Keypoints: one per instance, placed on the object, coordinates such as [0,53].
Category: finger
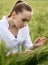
[43,39]
[37,40]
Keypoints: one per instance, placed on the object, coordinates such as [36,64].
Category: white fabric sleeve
[28,42]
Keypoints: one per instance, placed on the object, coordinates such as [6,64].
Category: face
[21,19]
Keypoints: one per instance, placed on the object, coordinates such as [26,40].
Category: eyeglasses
[24,20]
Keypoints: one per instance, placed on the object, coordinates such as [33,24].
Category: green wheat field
[38,26]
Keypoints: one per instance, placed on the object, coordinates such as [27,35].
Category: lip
[22,26]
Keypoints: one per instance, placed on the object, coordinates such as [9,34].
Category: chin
[21,27]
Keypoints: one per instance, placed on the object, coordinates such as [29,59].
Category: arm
[28,43]
[38,42]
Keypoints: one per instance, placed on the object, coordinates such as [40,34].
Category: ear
[14,14]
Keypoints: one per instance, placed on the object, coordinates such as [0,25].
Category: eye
[25,20]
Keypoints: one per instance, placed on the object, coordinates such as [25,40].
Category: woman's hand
[39,41]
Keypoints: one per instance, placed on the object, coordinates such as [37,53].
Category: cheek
[14,21]
[21,24]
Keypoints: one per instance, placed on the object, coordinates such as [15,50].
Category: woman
[14,29]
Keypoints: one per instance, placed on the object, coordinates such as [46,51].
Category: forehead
[25,13]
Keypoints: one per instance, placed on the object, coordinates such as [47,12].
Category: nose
[25,23]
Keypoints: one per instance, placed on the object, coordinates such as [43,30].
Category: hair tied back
[19,1]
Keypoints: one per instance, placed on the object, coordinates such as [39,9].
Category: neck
[12,27]
[14,31]
[10,21]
